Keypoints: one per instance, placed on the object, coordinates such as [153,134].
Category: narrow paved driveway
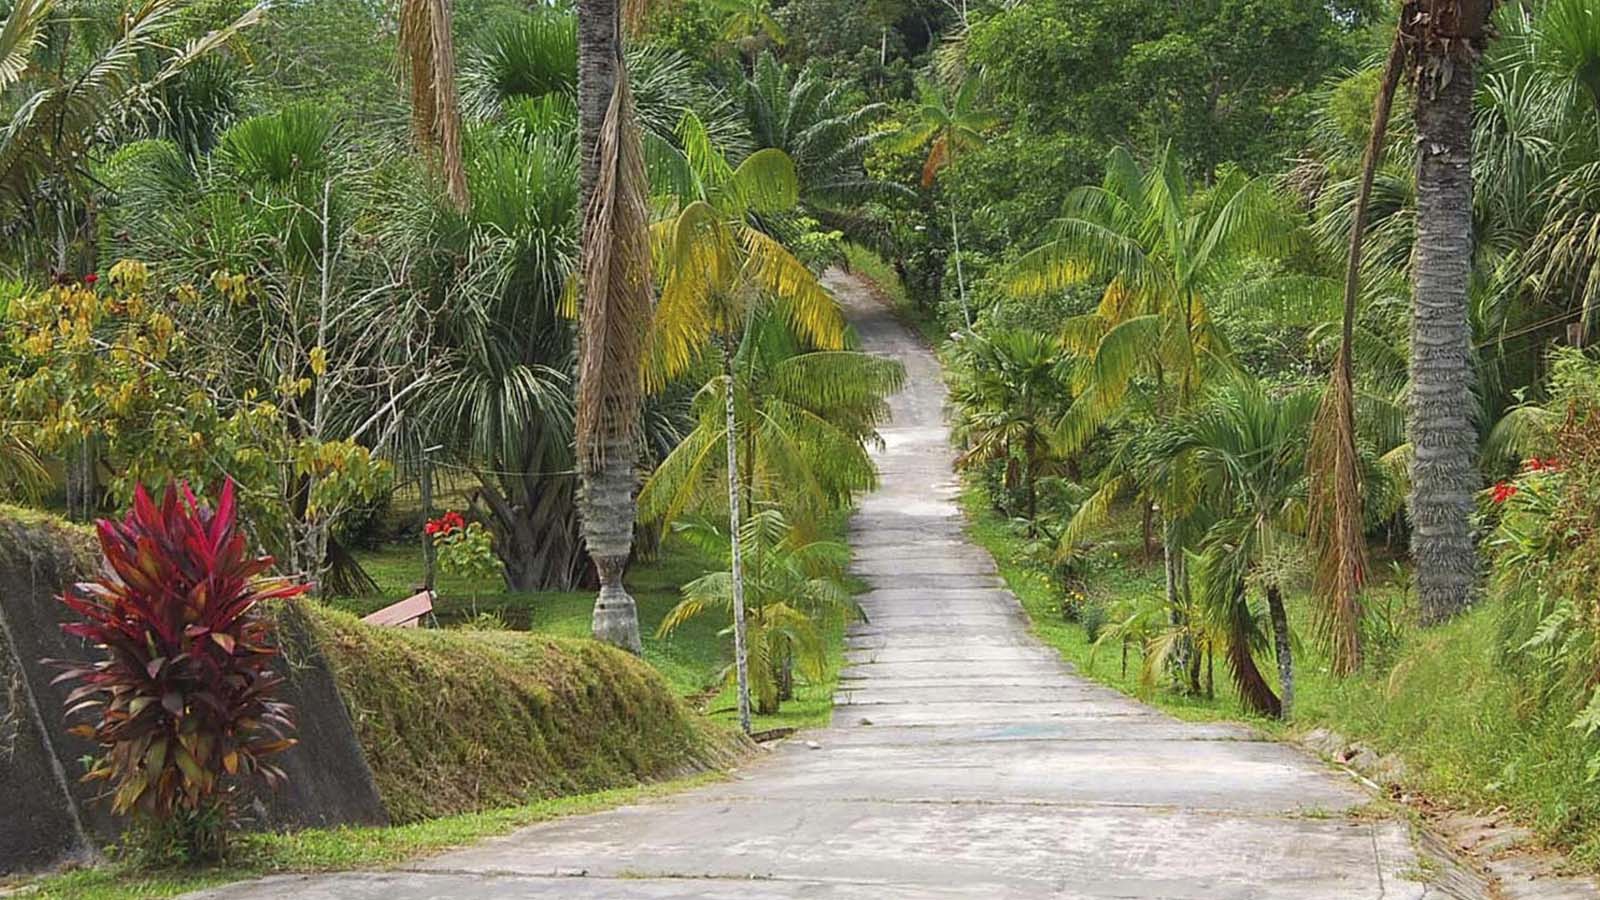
[965,760]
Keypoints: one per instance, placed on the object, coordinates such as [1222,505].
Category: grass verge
[336,849]
[1470,736]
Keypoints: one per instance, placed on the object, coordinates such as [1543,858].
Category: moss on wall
[455,721]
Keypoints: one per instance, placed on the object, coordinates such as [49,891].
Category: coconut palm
[1449,41]
[717,270]
[948,123]
[810,414]
[794,588]
[749,25]
[1166,253]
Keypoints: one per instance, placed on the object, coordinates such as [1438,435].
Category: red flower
[1534,464]
[446,524]
[431,528]
[1503,491]
[90,278]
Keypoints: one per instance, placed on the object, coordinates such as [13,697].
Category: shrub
[181,701]
[1094,616]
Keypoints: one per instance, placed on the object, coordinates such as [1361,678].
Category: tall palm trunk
[427,51]
[1440,421]
[615,317]
[1337,527]
[741,659]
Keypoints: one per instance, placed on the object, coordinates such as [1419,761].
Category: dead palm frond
[616,290]
[428,57]
[1336,526]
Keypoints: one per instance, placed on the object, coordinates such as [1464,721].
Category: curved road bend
[964,760]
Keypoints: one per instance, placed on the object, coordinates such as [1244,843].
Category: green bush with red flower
[181,695]
[1544,546]
[464,548]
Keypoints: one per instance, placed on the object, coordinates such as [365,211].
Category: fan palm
[1010,390]
[794,589]
[825,133]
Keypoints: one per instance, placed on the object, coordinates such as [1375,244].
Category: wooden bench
[405,614]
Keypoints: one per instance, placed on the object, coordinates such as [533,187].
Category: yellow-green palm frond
[765,182]
[1090,515]
[800,300]
[18,38]
[686,479]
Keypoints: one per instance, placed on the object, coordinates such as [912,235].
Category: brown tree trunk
[1285,652]
[1441,408]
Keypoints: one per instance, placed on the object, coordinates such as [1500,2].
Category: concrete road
[964,760]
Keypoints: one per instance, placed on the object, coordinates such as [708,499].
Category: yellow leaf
[319,361]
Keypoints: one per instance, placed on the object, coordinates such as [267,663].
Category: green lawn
[1471,738]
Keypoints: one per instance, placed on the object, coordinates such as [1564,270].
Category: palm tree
[811,415]
[717,270]
[948,126]
[65,113]
[1166,253]
[1449,38]
[827,135]
[1247,452]
[749,25]
[428,56]
[616,294]
[1010,391]
[795,587]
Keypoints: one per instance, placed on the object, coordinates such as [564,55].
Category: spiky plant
[181,697]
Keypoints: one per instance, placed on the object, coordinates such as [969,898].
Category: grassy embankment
[1438,698]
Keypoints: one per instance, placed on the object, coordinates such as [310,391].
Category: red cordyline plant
[182,700]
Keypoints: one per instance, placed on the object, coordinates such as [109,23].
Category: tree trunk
[1254,691]
[429,554]
[1280,635]
[616,275]
[1441,406]
[741,660]
[599,57]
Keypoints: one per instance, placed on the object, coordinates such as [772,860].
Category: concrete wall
[48,814]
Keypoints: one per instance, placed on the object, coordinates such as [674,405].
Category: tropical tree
[749,25]
[717,269]
[1010,389]
[948,124]
[616,292]
[1166,253]
[810,416]
[794,592]
[1247,451]
[1450,36]
[812,119]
